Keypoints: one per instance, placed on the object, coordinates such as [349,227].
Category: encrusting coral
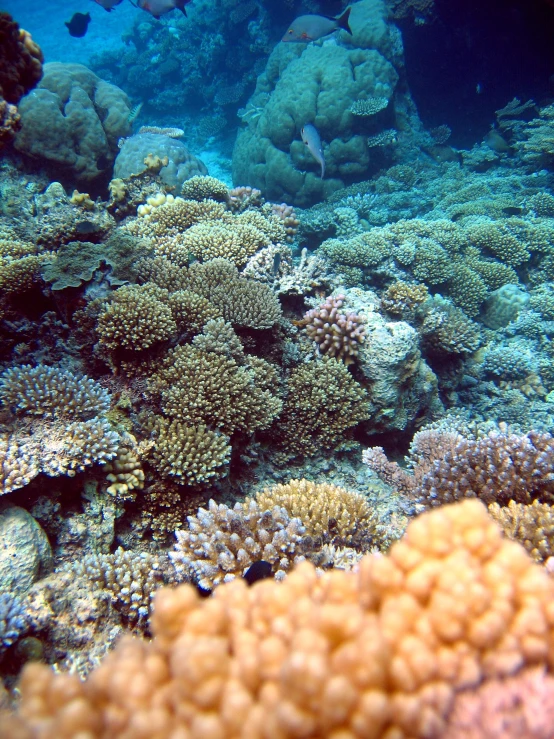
[385,651]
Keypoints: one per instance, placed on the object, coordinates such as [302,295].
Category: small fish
[108,5]
[310,137]
[157,8]
[307,28]
[276,263]
[78,24]
[259,570]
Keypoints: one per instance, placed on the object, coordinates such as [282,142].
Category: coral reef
[446,466]
[220,543]
[386,650]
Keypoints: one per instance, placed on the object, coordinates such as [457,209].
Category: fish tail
[342,21]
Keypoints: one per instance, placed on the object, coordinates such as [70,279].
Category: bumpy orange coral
[380,652]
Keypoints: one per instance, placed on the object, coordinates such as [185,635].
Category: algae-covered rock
[25,553]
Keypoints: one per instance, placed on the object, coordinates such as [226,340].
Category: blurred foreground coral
[392,649]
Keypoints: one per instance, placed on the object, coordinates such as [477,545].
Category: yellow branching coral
[136,317]
[323,402]
[320,505]
[191,311]
[531,525]
[381,652]
[205,387]
[189,454]
[202,187]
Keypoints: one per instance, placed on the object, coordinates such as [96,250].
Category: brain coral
[313,84]
[73,119]
[382,652]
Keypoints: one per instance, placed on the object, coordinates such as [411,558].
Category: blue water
[45,21]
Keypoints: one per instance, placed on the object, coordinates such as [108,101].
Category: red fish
[310,137]
[157,8]
[312,27]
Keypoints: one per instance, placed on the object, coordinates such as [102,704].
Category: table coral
[383,651]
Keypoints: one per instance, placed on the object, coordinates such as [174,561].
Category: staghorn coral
[189,454]
[163,273]
[322,508]
[323,403]
[336,334]
[531,525]
[51,392]
[380,652]
[498,239]
[199,387]
[221,543]
[136,318]
[446,466]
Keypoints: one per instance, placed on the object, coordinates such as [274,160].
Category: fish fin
[183,11]
[342,21]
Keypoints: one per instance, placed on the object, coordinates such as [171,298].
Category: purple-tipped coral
[336,334]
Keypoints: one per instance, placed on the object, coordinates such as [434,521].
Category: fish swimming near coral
[259,570]
[78,24]
[108,5]
[311,138]
[307,28]
[157,8]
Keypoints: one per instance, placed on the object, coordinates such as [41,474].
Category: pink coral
[446,466]
[336,334]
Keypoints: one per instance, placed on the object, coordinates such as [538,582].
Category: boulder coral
[73,119]
[317,84]
[384,651]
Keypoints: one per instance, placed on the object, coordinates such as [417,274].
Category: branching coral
[323,403]
[131,579]
[199,387]
[497,467]
[531,525]
[51,392]
[325,510]
[336,334]
[189,454]
[221,543]
[56,424]
[136,318]
[380,652]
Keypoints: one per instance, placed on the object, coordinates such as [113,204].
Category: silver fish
[310,137]
[312,27]
[157,8]
[108,5]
